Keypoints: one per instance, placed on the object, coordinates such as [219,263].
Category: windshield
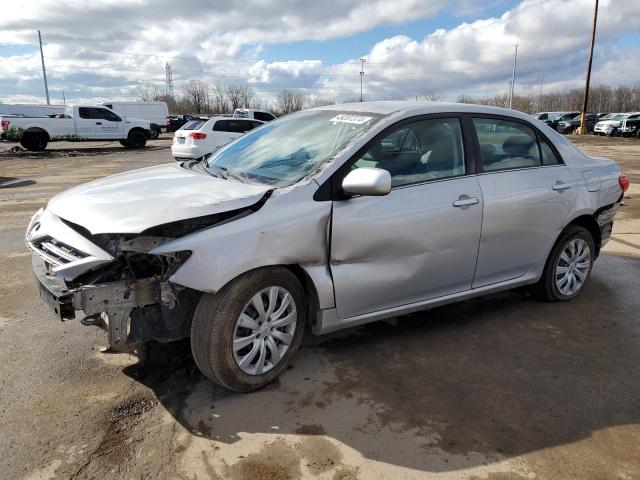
[285,151]
[567,116]
[619,117]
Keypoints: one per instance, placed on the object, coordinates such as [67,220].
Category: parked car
[328,218]
[199,138]
[78,123]
[631,126]
[612,126]
[175,122]
[542,116]
[564,116]
[153,111]
[253,114]
[568,126]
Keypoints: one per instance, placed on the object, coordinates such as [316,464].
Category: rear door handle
[98,123]
[465,201]
[561,186]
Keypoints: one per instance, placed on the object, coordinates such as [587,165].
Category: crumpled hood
[133,201]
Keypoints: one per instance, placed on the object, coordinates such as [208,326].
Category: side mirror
[367,181]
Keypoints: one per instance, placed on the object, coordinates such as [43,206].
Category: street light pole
[44,72]
[583,127]
[513,75]
[362,60]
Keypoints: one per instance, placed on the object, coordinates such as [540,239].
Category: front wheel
[568,266]
[244,336]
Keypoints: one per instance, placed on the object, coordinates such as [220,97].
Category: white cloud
[105,49]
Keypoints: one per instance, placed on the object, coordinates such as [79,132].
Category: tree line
[199,97]
[602,98]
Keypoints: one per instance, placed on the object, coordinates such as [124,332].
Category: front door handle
[98,123]
[559,186]
[465,201]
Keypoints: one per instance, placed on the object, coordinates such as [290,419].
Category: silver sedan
[327,218]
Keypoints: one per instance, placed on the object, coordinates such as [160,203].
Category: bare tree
[290,101]
[145,92]
[237,96]
[465,99]
[219,103]
[432,96]
[196,95]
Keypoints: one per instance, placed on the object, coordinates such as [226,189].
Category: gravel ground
[496,388]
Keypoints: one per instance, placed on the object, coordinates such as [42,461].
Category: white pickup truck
[78,123]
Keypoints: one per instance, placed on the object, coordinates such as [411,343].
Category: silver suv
[327,218]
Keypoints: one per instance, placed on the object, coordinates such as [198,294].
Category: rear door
[85,124]
[528,193]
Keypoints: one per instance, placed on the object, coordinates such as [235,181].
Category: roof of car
[418,108]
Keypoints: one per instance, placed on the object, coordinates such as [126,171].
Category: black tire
[615,132]
[214,322]
[124,143]
[546,288]
[155,132]
[136,139]
[35,142]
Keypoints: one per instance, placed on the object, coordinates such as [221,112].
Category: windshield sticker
[354,119]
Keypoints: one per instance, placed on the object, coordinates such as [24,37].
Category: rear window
[264,116]
[193,125]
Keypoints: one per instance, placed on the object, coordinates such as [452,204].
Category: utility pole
[44,72]
[362,60]
[513,75]
[539,99]
[583,127]
[64,100]
[168,88]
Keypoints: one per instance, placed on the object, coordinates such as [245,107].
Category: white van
[155,112]
[30,110]
[253,114]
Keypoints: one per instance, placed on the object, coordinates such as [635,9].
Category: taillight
[5,124]
[623,180]
[167,120]
[198,135]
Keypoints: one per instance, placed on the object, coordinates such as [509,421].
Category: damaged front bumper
[112,302]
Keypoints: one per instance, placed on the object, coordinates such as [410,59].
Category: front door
[108,125]
[420,241]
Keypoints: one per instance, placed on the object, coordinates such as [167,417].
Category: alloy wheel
[264,330]
[572,267]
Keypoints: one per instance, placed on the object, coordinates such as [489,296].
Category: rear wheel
[136,139]
[155,132]
[35,142]
[245,336]
[568,266]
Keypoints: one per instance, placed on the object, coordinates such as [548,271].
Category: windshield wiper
[218,172]
[238,176]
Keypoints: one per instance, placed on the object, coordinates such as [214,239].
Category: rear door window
[506,145]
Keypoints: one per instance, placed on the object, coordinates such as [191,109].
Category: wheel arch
[38,130]
[588,222]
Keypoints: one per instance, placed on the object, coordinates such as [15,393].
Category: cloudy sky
[104,50]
